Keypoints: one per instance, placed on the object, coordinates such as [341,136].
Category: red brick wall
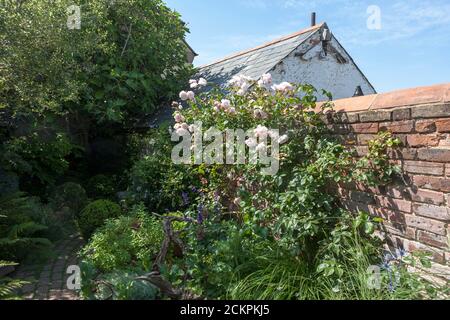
[416,206]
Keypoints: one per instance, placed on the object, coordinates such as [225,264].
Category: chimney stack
[313,19]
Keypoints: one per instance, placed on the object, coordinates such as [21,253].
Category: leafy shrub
[95,214]
[37,156]
[126,241]
[23,226]
[101,187]
[156,181]
[117,285]
[274,237]
[70,195]
[8,286]
[118,253]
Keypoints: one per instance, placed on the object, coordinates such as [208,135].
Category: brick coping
[437,94]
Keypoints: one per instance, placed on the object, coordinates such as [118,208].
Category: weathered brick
[363,139]
[434,154]
[425,126]
[433,183]
[399,192]
[344,117]
[413,246]
[394,204]
[419,140]
[401,114]
[432,239]
[364,127]
[447,170]
[422,167]
[444,141]
[447,257]
[432,211]
[374,116]
[443,125]
[434,111]
[346,139]
[353,206]
[403,154]
[428,196]
[427,224]
[398,126]
[361,151]
[401,138]
[387,214]
[363,197]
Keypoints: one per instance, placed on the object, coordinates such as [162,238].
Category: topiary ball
[95,214]
[69,195]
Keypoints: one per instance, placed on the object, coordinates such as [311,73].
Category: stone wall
[416,206]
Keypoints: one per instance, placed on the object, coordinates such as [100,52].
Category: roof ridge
[267,44]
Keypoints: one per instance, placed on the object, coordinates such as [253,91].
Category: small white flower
[261,147]
[225,103]
[184,95]
[202,82]
[283,87]
[232,110]
[194,85]
[181,131]
[251,142]
[191,95]
[192,128]
[283,139]
[261,131]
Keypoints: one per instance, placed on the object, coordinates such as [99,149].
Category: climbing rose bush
[237,209]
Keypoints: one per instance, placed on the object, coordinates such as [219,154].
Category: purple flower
[185,197]
[200,214]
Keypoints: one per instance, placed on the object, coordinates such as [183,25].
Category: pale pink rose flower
[191,95]
[184,95]
[179,117]
[202,82]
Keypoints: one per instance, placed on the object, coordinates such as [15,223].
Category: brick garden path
[48,282]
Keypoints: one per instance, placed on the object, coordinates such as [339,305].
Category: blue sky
[411,49]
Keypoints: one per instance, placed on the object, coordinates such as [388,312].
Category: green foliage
[126,241]
[95,214]
[101,187]
[120,284]
[23,226]
[69,196]
[126,59]
[118,253]
[8,287]
[34,155]
[282,236]
[155,180]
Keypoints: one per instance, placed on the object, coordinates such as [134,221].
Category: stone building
[312,56]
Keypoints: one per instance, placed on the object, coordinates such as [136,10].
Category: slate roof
[257,61]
